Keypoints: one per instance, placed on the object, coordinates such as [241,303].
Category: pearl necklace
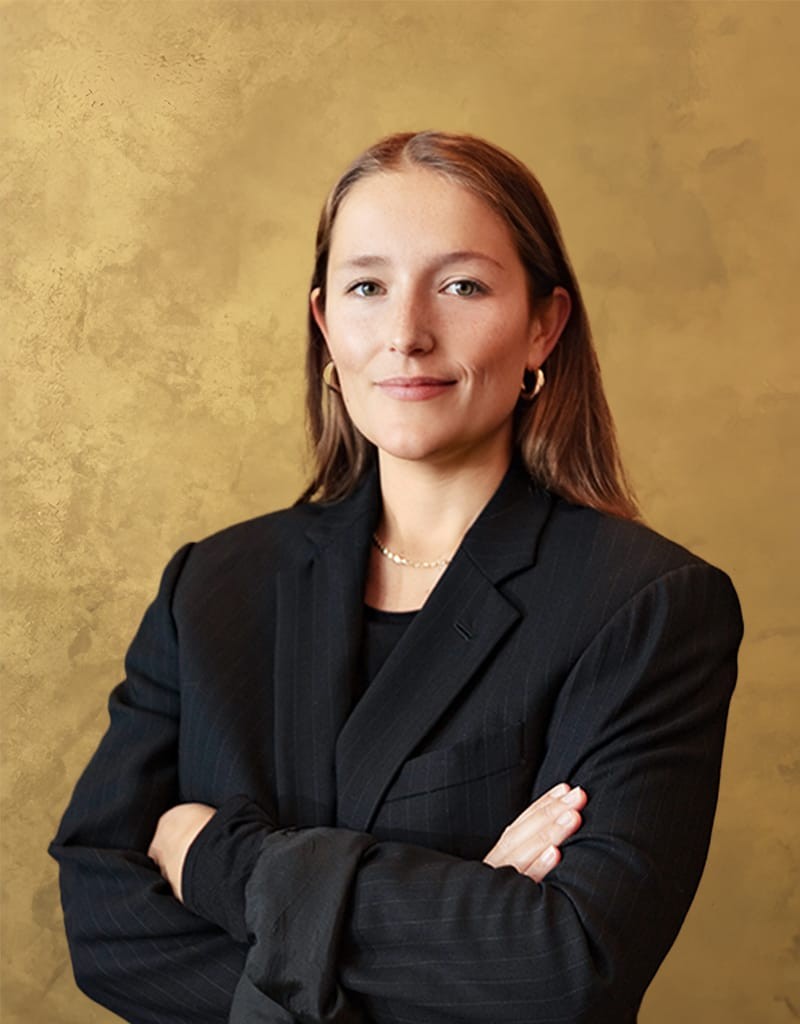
[440,563]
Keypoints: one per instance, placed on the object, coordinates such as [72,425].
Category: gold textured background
[167,162]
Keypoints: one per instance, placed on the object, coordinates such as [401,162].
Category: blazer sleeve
[134,948]
[341,926]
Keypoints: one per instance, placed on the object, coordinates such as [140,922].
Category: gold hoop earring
[528,394]
[328,370]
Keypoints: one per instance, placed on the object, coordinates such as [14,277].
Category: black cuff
[219,863]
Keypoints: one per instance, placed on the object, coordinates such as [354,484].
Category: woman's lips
[414,389]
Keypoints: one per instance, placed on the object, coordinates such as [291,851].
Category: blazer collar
[342,517]
[504,538]
[502,541]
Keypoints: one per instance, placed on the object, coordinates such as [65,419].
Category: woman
[441,743]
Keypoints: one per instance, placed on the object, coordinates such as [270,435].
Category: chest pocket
[460,798]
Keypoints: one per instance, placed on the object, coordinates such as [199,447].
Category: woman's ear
[318,311]
[549,321]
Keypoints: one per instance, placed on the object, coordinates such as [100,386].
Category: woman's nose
[410,329]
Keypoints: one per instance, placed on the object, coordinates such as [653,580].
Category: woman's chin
[409,450]
[439,452]
[412,443]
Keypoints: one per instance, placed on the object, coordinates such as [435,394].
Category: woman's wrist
[219,863]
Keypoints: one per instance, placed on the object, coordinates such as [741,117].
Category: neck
[427,508]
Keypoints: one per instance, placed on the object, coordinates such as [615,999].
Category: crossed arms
[331,925]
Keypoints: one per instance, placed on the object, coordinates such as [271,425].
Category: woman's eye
[464,288]
[365,288]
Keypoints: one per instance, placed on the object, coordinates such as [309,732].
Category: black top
[382,632]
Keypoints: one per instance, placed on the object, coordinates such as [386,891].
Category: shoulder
[242,560]
[278,535]
[613,562]
[606,544]
[253,549]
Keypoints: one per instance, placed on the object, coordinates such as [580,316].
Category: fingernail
[573,796]
[565,818]
[548,856]
[560,789]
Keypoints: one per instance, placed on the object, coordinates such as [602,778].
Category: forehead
[419,209]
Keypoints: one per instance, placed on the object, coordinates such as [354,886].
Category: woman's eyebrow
[362,261]
[461,255]
[457,256]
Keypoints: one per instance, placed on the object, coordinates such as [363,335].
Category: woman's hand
[175,832]
[531,842]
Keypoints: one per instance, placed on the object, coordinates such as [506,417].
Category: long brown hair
[566,436]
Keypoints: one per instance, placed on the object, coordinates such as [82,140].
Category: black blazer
[342,879]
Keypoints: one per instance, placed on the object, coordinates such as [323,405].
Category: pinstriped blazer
[342,879]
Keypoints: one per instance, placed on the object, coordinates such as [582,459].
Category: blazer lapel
[318,629]
[461,623]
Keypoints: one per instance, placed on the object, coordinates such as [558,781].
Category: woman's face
[427,318]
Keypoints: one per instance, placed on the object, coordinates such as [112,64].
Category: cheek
[500,357]
[351,361]
[352,370]
[347,344]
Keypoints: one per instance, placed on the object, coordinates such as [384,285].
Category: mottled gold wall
[167,164]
